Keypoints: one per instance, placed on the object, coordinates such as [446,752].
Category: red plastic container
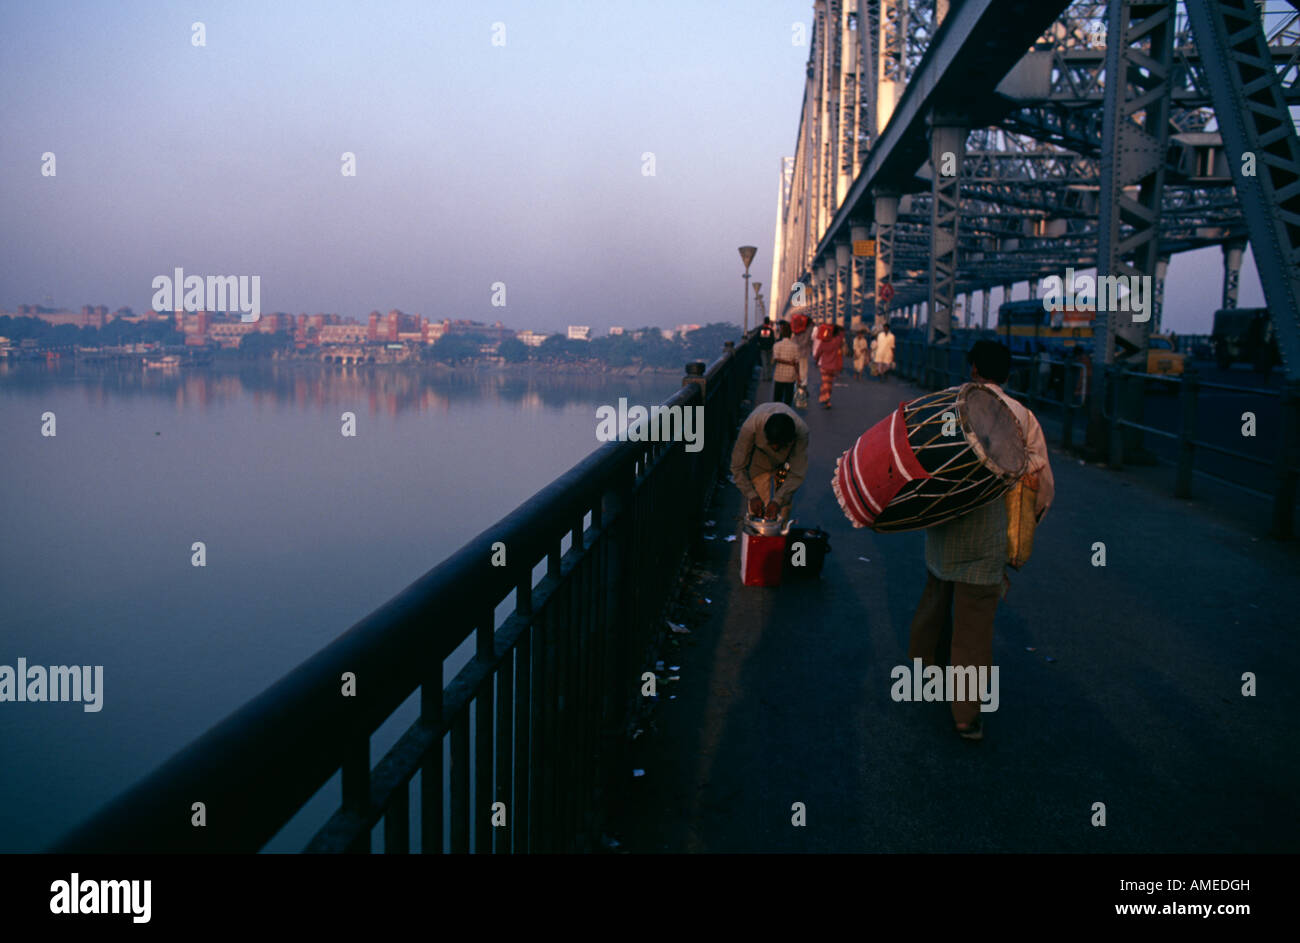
[761,559]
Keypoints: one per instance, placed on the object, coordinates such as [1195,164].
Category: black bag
[816,544]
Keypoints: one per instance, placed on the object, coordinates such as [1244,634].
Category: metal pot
[765,527]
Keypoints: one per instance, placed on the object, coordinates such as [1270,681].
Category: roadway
[1119,684]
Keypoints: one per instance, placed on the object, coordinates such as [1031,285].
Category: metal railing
[551,688]
[935,366]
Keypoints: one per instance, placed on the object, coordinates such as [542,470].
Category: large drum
[931,460]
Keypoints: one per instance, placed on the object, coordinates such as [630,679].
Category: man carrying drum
[965,556]
[772,445]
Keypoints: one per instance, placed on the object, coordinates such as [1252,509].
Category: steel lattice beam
[1254,121]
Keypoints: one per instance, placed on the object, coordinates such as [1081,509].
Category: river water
[305,530]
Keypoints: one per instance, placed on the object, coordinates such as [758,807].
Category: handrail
[255,769]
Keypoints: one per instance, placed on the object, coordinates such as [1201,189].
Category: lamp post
[747,256]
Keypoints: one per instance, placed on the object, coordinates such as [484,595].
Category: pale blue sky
[476,163]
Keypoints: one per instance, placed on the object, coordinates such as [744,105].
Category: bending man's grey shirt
[754,455]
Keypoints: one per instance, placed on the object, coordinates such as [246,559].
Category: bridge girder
[1032,184]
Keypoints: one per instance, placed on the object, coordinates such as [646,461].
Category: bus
[1026,327]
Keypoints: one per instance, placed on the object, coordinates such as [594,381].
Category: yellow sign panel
[865,247]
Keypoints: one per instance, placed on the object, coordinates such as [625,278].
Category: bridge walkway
[1118,684]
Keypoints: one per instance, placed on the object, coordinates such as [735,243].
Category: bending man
[772,445]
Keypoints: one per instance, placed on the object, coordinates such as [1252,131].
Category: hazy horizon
[476,163]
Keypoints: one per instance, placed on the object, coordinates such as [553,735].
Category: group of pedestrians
[876,348]
[786,349]
[965,557]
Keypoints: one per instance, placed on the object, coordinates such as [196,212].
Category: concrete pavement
[785,692]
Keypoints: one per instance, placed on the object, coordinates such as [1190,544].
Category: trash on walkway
[710,523]
[659,666]
[673,678]
[1030,648]
[638,733]
[679,629]
[864,559]
[710,536]
[638,772]
[708,600]
[674,667]
[730,538]
[672,697]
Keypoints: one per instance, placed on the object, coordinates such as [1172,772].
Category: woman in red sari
[830,358]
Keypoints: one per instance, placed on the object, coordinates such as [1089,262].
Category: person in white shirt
[883,356]
[787,372]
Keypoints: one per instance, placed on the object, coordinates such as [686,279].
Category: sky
[476,163]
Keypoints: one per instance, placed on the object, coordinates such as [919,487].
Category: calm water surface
[306,532]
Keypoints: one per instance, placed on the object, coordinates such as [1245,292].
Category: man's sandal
[971,731]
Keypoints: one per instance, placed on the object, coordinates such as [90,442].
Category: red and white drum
[931,460]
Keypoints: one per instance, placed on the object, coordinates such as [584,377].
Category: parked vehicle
[1245,335]
[1162,358]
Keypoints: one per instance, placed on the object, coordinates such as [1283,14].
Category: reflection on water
[306,532]
[391,390]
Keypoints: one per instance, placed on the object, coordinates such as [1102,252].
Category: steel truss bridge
[1043,163]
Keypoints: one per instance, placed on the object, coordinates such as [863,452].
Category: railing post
[1116,377]
[1068,406]
[1035,379]
[1288,455]
[1187,393]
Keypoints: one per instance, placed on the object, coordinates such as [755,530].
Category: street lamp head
[747,255]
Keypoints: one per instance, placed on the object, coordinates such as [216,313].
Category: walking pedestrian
[803,337]
[861,347]
[965,556]
[883,358]
[785,356]
[829,352]
[766,341]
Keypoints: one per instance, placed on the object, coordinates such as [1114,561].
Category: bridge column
[849,101]
[826,278]
[863,293]
[886,213]
[822,288]
[844,295]
[891,51]
[1135,137]
[1158,293]
[1263,149]
[819,286]
[1232,253]
[947,151]
[985,297]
